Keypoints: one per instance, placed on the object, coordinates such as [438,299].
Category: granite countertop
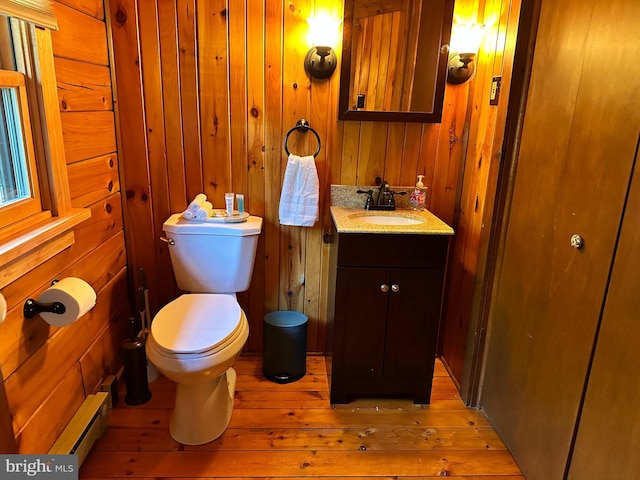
[346,221]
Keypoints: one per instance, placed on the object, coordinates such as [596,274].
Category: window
[19,191]
[14,167]
[15,184]
[36,217]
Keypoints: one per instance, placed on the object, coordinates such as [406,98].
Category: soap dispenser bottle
[418,195]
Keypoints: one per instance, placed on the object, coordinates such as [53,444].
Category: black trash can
[285,346]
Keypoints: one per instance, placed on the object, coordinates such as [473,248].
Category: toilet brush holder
[135,371]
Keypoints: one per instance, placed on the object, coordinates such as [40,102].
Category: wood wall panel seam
[80,36]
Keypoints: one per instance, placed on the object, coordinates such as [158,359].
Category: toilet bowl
[194,341]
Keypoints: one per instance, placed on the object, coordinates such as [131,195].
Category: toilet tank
[212,257]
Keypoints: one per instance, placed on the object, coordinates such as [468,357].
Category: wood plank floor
[291,431]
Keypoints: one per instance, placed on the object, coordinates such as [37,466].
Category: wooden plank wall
[207,91]
[482,162]
[380,46]
[48,371]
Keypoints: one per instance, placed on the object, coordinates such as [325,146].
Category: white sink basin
[389,220]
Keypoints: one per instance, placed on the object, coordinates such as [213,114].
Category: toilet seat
[196,325]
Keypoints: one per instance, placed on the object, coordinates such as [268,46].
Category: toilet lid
[196,323]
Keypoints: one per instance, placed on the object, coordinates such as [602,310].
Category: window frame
[26,207]
[27,243]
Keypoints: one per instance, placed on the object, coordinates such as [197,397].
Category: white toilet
[196,338]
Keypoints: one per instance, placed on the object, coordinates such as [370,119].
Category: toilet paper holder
[32,307]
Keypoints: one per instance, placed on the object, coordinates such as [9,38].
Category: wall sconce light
[321,60]
[464,48]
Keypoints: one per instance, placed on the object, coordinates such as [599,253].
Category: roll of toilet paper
[77,296]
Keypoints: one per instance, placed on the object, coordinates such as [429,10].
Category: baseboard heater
[86,426]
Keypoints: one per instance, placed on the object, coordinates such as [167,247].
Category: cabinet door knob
[384,288]
[577,241]
[395,288]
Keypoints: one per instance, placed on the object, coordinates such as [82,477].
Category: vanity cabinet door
[360,325]
[385,331]
[412,323]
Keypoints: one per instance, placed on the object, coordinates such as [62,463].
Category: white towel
[194,206]
[204,211]
[197,202]
[300,192]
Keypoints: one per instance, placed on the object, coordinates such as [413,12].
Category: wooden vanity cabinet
[386,309]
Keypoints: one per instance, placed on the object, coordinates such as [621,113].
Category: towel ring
[302,126]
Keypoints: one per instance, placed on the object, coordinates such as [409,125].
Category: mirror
[394,60]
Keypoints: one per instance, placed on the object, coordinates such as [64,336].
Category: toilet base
[202,411]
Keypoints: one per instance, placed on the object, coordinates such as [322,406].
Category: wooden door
[608,437]
[575,159]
